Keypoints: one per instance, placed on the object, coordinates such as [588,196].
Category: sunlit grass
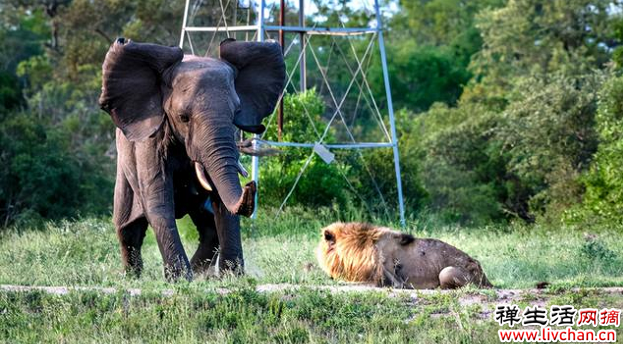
[281,250]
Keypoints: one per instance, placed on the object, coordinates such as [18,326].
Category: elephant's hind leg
[131,239]
[453,277]
[205,256]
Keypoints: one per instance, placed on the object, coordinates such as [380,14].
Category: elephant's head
[200,99]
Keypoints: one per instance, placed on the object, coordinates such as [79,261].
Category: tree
[537,38]
[603,199]
[431,43]
[550,138]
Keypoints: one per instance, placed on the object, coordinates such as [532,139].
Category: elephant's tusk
[201,175]
[242,170]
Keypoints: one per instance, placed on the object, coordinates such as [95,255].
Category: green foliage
[371,175]
[438,22]
[22,35]
[462,166]
[524,130]
[436,74]
[603,200]
[532,37]
[430,45]
[499,114]
[36,70]
[57,145]
[321,184]
[549,136]
[480,165]
[376,179]
[41,178]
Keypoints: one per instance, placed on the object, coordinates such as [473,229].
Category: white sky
[310,8]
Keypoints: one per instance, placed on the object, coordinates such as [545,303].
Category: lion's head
[347,251]
[360,252]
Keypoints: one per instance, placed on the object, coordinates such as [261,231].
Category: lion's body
[360,252]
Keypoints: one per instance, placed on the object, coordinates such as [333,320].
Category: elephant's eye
[184,118]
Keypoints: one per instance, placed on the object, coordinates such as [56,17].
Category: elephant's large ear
[260,80]
[131,82]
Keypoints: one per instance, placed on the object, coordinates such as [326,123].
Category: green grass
[85,253]
[282,251]
[243,316]
[192,315]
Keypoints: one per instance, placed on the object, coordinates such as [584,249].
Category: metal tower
[253,22]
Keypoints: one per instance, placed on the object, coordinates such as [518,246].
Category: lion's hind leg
[453,277]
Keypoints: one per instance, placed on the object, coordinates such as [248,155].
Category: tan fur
[361,252]
[353,257]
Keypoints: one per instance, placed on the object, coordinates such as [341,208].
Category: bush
[481,164]
[549,135]
[603,198]
[321,184]
[40,177]
[463,169]
[369,173]
[381,165]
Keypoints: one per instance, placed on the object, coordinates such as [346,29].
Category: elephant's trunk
[218,157]
[238,200]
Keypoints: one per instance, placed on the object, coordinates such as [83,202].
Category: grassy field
[85,253]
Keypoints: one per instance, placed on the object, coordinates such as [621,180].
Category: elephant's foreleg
[131,239]
[160,212]
[228,229]
[176,263]
[206,253]
[155,184]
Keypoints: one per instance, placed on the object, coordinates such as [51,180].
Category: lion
[362,252]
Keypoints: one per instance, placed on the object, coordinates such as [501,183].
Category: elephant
[176,118]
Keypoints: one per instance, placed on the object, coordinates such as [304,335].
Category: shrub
[549,135]
[481,164]
[463,169]
[603,198]
[321,184]
[369,173]
[40,177]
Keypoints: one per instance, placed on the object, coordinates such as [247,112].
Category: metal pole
[246,35]
[184,24]
[390,109]
[235,20]
[303,66]
[282,41]
[260,22]
[255,160]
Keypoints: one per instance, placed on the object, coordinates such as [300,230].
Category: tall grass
[280,250]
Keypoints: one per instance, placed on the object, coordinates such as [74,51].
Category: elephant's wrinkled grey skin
[176,118]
